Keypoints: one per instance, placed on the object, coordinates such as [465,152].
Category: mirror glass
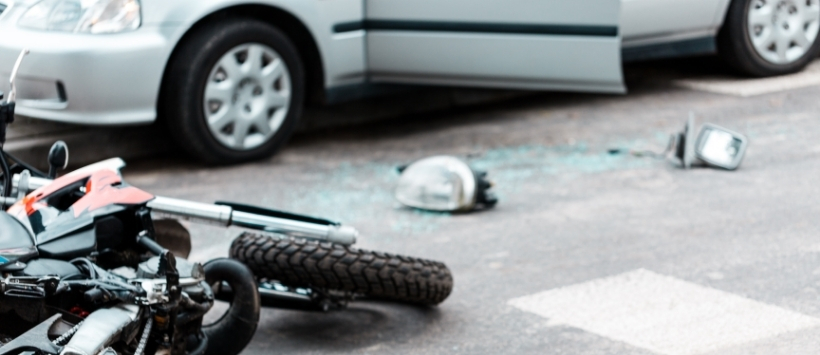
[719,147]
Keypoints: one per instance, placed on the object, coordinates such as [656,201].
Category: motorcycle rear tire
[301,263]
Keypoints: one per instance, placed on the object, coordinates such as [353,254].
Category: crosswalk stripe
[662,314]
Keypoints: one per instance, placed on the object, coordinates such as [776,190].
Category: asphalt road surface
[587,252]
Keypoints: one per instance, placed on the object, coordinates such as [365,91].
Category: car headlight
[83,16]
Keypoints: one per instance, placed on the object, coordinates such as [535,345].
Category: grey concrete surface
[569,213]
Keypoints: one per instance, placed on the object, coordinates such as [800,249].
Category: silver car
[229,78]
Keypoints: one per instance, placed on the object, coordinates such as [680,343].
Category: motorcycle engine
[118,319]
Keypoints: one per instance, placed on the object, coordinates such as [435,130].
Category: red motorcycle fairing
[105,188]
[70,201]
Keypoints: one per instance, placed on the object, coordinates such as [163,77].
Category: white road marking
[662,314]
[752,87]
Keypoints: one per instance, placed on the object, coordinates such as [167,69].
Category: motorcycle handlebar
[34,183]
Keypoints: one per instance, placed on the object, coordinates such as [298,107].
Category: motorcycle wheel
[301,263]
[233,331]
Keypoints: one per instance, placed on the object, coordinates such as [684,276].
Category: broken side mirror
[715,146]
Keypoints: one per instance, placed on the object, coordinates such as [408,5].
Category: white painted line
[752,87]
[662,314]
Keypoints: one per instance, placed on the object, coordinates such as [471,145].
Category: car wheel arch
[294,28]
[721,13]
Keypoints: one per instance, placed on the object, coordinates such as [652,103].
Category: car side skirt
[681,48]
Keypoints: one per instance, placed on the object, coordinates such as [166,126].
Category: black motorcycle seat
[13,234]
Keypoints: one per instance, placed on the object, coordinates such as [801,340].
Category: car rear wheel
[770,37]
[234,91]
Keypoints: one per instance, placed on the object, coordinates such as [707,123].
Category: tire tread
[302,263]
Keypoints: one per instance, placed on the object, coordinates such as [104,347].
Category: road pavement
[587,252]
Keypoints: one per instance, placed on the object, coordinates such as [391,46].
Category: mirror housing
[714,146]
[57,158]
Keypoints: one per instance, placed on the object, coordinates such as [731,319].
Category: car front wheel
[770,37]
[234,91]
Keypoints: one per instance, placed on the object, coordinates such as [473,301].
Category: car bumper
[87,79]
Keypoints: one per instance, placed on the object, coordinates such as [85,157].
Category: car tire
[210,81]
[755,37]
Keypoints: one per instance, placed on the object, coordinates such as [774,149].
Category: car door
[528,44]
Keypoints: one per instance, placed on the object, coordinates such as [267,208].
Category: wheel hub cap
[783,31]
[247,96]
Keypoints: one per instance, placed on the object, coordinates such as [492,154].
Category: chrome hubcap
[247,96]
[782,31]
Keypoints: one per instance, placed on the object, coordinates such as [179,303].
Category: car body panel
[83,78]
[576,12]
[529,44]
[129,96]
[504,61]
[655,29]
[654,21]
[116,78]
[319,17]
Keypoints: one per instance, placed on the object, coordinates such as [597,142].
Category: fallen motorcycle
[81,271]
[66,243]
